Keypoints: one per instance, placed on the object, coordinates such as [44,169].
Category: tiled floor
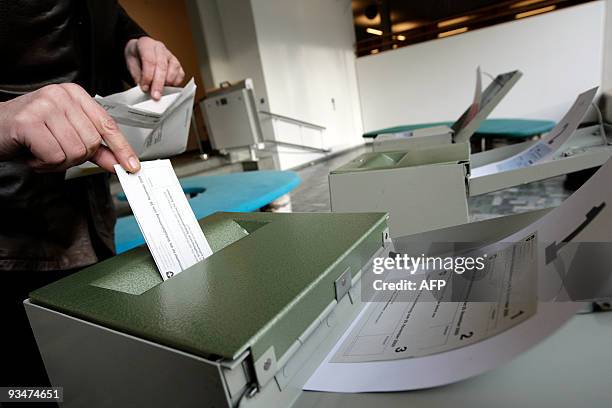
[313,194]
[533,196]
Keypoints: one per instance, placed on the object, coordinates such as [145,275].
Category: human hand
[61,126]
[152,66]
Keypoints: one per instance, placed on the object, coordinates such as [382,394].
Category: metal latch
[266,367]
[386,237]
[343,283]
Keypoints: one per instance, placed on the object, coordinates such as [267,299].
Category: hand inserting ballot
[60,126]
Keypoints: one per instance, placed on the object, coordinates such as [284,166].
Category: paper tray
[539,171]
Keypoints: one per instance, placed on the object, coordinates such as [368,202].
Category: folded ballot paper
[164,216]
[154,129]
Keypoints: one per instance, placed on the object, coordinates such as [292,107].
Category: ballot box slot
[140,274]
[383,159]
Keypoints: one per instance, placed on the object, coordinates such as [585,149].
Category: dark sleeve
[126,29]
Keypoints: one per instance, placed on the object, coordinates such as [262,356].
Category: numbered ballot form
[481,305]
[164,216]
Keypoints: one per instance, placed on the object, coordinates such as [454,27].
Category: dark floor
[313,194]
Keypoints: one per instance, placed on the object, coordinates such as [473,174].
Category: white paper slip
[546,148]
[164,216]
[160,106]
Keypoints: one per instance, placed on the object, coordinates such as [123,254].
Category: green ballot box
[242,325]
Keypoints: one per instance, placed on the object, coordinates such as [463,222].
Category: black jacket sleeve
[126,29]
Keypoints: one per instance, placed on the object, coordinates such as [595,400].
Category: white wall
[306,49]
[300,56]
[607,68]
[232,52]
[559,53]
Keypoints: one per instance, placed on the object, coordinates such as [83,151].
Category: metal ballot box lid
[442,154]
[268,279]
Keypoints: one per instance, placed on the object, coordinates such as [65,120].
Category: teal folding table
[234,192]
[515,130]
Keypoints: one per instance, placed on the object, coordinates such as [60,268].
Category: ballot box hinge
[238,377]
[231,364]
[290,362]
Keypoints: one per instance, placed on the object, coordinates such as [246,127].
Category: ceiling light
[405,26]
[454,21]
[525,3]
[374,31]
[534,12]
[452,32]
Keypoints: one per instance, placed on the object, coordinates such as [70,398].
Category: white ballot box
[427,188]
[410,186]
[231,115]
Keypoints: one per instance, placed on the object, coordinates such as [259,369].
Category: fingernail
[134,164]
[145,88]
[156,95]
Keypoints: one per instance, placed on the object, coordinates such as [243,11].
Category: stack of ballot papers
[154,129]
[164,216]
